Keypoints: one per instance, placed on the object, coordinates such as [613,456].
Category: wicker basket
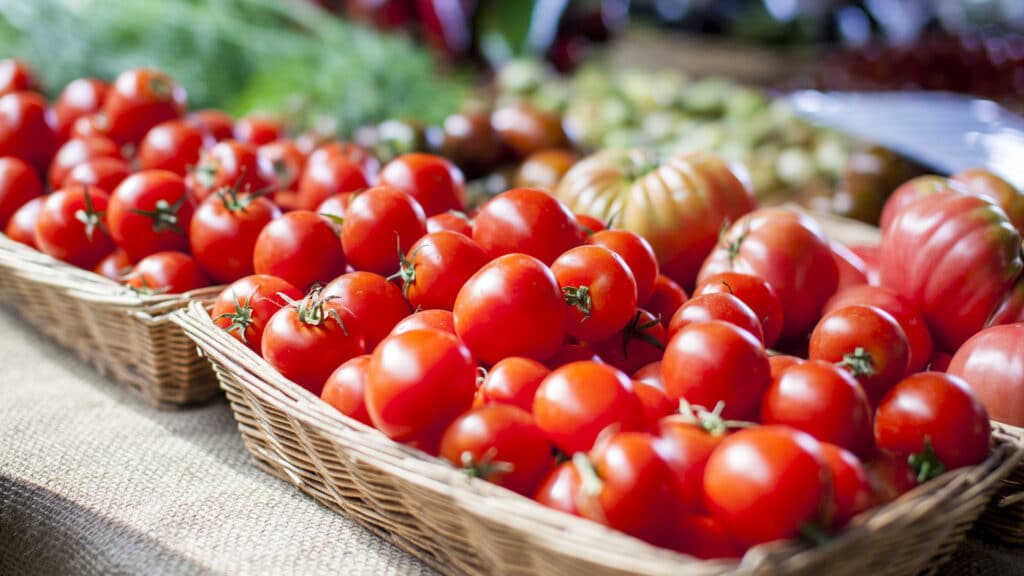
[463,525]
[122,334]
[1004,518]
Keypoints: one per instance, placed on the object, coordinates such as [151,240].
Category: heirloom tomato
[992,364]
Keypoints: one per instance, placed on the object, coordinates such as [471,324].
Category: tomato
[890,476]
[765,483]
[637,254]
[22,225]
[560,489]
[287,161]
[90,126]
[930,247]
[641,342]
[301,247]
[936,419]
[151,211]
[116,266]
[452,220]
[629,487]
[72,226]
[851,488]
[576,402]
[174,146]
[650,374]
[26,131]
[868,342]
[572,352]
[544,168]
[526,129]
[417,384]
[992,364]
[822,400]
[103,173]
[678,205]
[755,292]
[79,98]
[511,307]
[714,362]
[704,537]
[246,305]
[716,306]
[77,151]
[653,402]
[467,139]
[334,208]
[426,320]
[500,444]
[512,381]
[780,362]
[985,183]
[140,99]
[436,267]
[905,314]
[16,76]
[870,256]
[230,163]
[527,221]
[258,130]
[911,191]
[216,125]
[325,152]
[686,443]
[224,230]
[591,225]
[939,362]
[377,304]
[852,269]
[334,175]
[599,291]
[345,389]
[436,183]
[166,273]
[380,225]
[306,341]
[18,185]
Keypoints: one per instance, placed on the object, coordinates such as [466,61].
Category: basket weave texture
[124,335]
[465,525]
[1004,518]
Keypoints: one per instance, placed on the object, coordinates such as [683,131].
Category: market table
[95,481]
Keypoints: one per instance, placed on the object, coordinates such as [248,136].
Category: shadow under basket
[464,525]
[124,335]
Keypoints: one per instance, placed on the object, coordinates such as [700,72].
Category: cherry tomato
[25,129]
[90,126]
[500,444]
[851,487]
[822,400]
[512,381]
[140,99]
[891,476]
[18,184]
[287,161]
[306,341]
[103,173]
[494,325]
[415,370]
[323,154]
[452,220]
[716,306]
[704,537]
[216,125]
[686,443]
[599,291]
[936,419]
[244,307]
[590,225]
[258,130]
[335,175]
[755,292]
[436,183]
[72,226]
[426,320]
[345,389]
[576,402]
[377,304]
[79,98]
[436,267]
[230,163]
[765,483]
[16,76]
[334,208]
[714,362]
[561,489]
[528,221]
[638,256]
[151,211]
[116,266]
[868,342]
[653,401]
[780,362]
[302,247]
[641,342]
[666,298]
[526,129]
[77,151]
[22,225]
[650,375]
[174,146]
[224,230]
[380,225]
[992,364]
[166,273]
[572,352]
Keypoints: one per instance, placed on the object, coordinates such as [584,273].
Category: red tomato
[90,126]
[79,98]
[788,250]
[641,342]
[418,383]
[224,231]
[18,185]
[306,341]
[911,191]
[301,247]
[512,381]
[116,266]
[561,489]
[851,488]
[686,445]
[868,342]
[103,173]
[326,151]
[436,183]
[500,444]
[345,389]
[72,226]
[452,220]
[665,300]
[529,323]
[599,291]
[572,352]
[151,211]
[650,375]
[77,151]
[174,146]
[231,163]
[714,362]
[287,160]
[22,225]
[704,537]
[939,362]
[216,125]
[244,308]
[334,208]
[334,175]
[436,267]
[853,271]
[258,130]
[936,419]
[905,314]
[590,225]
[984,183]
[992,364]
[26,131]
[822,400]
[765,483]
[653,402]
[891,476]
[755,292]
[380,225]
[576,402]
[528,221]
[426,320]
[781,362]
[638,256]
[16,76]
[716,306]
[166,273]
[140,99]
[377,304]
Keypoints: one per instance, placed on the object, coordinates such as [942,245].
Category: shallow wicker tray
[463,525]
[1004,518]
[122,334]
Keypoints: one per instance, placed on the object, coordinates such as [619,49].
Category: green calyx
[926,463]
[164,215]
[859,363]
[241,317]
[313,309]
[486,467]
[91,217]
[579,298]
[637,330]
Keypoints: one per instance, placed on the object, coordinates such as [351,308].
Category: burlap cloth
[94,481]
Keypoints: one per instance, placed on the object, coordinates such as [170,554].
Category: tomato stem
[926,463]
[486,467]
[814,533]
[579,298]
[164,215]
[92,218]
[590,483]
[860,362]
[636,330]
[313,308]
[241,318]
[406,268]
